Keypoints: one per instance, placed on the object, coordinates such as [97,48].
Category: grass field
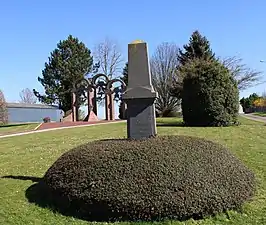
[28,157]
[16,128]
[263,114]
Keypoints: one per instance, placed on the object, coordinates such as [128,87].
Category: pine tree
[125,74]
[67,64]
[198,47]
[248,103]
[3,109]
[125,79]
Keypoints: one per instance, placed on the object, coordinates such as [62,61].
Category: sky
[31,29]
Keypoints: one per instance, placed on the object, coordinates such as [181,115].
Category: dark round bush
[167,177]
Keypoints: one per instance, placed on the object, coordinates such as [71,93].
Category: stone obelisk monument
[139,95]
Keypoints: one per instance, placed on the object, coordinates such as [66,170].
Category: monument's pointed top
[137,42]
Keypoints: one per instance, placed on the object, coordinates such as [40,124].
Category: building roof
[26,105]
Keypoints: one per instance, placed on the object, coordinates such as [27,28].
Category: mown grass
[16,128]
[31,155]
[263,114]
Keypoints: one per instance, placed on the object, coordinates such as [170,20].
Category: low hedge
[167,177]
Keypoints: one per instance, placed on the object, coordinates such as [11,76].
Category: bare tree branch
[245,76]
[27,96]
[108,55]
[163,68]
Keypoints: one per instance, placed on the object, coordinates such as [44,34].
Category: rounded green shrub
[210,96]
[167,177]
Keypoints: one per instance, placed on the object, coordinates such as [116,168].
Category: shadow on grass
[14,125]
[170,124]
[41,195]
[33,179]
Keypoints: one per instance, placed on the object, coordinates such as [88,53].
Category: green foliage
[210,96]
[165,177]
[125,74]
[125,79]
[67,64]
[248,103]
[3,109]
[198,47]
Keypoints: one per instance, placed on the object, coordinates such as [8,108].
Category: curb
[58,128]
[36,128]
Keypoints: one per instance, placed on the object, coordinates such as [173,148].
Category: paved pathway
[60,128]
[44,126]
[254,117]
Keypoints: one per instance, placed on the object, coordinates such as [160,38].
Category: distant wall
[256,109]
[260,109]
[23,115]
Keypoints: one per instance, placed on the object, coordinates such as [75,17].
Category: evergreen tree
[210,95]
[198,47]
[248,103]
[125,74]
[67,64]
[3,109]
[125,79]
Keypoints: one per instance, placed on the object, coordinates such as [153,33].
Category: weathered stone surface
[139,78]
[141,121]
[139,95]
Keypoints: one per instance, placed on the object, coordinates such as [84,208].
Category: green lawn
[263,114]
[16,128]
[31,155]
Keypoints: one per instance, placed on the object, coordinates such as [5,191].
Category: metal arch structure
[115,94]
[99,90]
[95,78]
[116,90]
[74,91]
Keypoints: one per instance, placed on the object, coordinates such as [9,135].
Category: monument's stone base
[141,121]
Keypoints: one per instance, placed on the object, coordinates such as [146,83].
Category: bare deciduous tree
[245,76]
[27,96]
[109,57]
[163,65]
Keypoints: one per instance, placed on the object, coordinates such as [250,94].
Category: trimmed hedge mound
[173,177]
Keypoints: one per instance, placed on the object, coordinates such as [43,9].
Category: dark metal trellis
[101,87]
